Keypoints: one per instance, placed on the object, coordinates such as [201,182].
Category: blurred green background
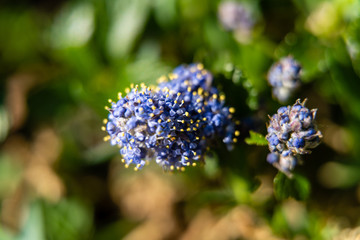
[61,60]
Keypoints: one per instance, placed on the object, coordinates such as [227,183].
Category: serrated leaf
[297,187]
[256,139]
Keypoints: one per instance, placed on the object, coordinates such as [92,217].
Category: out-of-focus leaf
[33,228]
[5,234]
[256,139]
[297,187]
[165,12]
[128,18]
[69,219]
[74,26]
[241,189]
[10,175]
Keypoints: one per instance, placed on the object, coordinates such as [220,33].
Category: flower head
[284,77]
[173,123]
[292,131]
[236,17]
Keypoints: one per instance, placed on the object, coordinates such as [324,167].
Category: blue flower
[284,77]
[292,131]
[174,123]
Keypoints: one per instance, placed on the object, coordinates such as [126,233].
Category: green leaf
[297,187]
[256,139]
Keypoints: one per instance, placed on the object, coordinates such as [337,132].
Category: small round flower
[173,123]
[284,77]
[292,131]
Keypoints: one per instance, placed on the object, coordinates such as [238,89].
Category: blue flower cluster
[237,17]
[284,77]
[173,123]
[291,132]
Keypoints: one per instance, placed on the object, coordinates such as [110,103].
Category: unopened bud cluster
[173,123]
[284,77]
[291,132]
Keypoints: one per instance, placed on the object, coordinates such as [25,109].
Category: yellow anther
[142,85]
[105,121]
[153,107]
[189,89]
[194,129]
[188,129]
[139,101]
[107,108]
[169,120]
[187,114]
[172,76]
[188,164]
[150,100]
[151,115]
[181,130]
[231,110]
[203,72]
[162,79]
[107,138]
[186,82]
[222,97]
[103,128]
[122,134]
[135,169]
[237,133]
[172,168]
[167,146]
[199,110]
[159,121]
[182,121]
[127,90]
[182,169]
[130,148]
[132,85]
[122,160]
[198,75]
[132,140]
[197,125]
[191,121]
[126,165]
[175,101]
[110,101]
[237,122]
[174,127]
[198,100]
[193,164]
[197,138]
[194,93]
[200,66]
[119,95]
[186,158]
[200,91]
[235,140]
[204,119]
[167,95]
[214,96]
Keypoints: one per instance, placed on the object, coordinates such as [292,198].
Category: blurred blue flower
[236,17]
[292,131]
[174,123]
[284,77]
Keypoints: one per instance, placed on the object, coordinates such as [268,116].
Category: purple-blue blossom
[284,77]
[173,123]
[292,131]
